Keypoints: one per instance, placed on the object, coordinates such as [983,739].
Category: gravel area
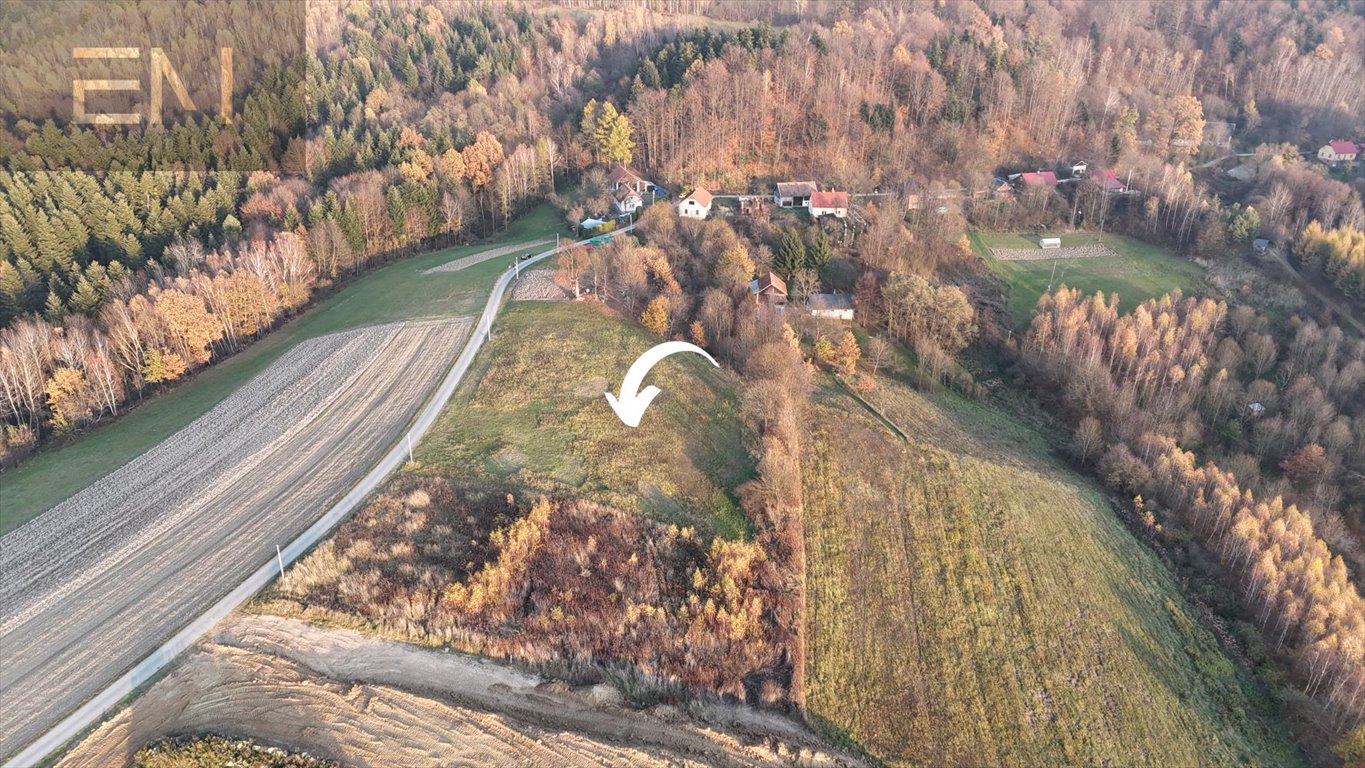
[1094,250]
[538,285]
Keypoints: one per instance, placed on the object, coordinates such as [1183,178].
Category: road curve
[89,712]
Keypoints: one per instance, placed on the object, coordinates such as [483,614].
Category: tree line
[1178,374]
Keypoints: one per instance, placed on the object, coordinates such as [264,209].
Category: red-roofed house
[829,204]
[769,289]
[1338,151]
[696,205]
[1107,179]
[1039,179]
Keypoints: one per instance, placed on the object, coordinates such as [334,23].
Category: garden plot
[482,256]
[1088,251]
[538,285]
[99,581]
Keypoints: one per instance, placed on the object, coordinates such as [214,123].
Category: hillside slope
[972,602]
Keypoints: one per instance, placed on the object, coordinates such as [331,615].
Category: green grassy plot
[972,601]
[532,414]
[1139,271]
[398,291]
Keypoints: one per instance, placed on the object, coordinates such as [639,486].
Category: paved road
[178,593]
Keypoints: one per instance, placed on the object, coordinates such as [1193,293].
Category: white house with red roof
[828,204]
[1338,151]
[696,205]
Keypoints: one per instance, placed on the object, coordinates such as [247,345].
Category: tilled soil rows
[369,701]
[538,285]
[482,256]
[94,584]
[1092,251]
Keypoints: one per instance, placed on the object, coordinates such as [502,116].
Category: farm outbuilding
[769,289]
[794,194]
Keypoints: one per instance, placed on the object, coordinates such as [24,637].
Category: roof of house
[1106,178]
[1342,147]
[625,193]
[1041,177]
[797,188]
[702,197]
[829,199]
[767,281]
[621,173]
[829,301]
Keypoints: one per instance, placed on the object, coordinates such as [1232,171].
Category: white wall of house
[838,212]
[691,209]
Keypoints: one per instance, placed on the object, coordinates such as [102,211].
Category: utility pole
[409,437]
[279,558]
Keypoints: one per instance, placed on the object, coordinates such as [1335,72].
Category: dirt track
[370,701]
[93,585]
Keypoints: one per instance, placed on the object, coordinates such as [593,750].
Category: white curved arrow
[633,401]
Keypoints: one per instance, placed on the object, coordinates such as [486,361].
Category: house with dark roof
[769,289]
[837,306]
[794,194]
[624,178]
[696,205]
[1338,151]
[829,204]
[1108,180]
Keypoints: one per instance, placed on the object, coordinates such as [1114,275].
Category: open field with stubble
[1111,263]
[972,601]
[399,291]
[103,578]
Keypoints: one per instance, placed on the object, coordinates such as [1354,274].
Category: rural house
[769,289]
[794,194]
[829,204]
[1078,169]
[1108,180]
[624,178]
[1338,151]
[1038,179]
[696,205]
[838,306]
[627,201]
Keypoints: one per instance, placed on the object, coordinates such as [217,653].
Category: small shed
[769,289]
[1260,245]
[1050,243]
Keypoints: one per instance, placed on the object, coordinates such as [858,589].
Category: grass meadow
[531,414]
[972,601]
[398,291]
[1139,272]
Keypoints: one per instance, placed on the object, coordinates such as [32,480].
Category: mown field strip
[478,258]
[67,636]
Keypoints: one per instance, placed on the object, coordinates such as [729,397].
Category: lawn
[398,291]
[972,601]
[1139,272]
[532,414]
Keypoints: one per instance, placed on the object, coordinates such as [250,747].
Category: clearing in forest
[113,571]
[1137,271]
[972,601]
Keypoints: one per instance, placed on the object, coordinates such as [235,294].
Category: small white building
[696,205]
[829,204]
[836,306]
[627,202]
[1050,243]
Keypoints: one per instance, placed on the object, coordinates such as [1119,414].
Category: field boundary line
[456,265]
[114,693]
